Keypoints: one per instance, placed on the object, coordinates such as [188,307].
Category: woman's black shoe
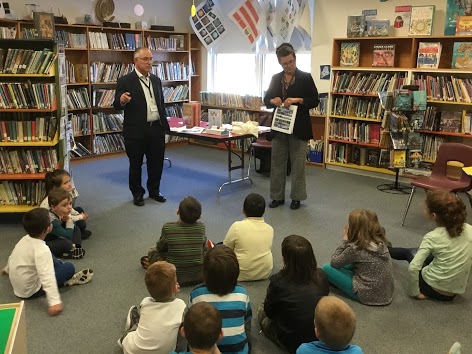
[295,204]
[276,203]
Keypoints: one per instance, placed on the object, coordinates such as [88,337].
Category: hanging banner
[286,16]
[246,16]
[208,24]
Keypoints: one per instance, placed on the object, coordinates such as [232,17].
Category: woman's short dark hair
[220,270]
[283,50]
[299,260]
[254,205]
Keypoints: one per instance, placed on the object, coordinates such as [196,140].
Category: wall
[331,22]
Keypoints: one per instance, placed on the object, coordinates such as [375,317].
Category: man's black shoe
[276,203]
[138,201]
[158,197]
[295,204]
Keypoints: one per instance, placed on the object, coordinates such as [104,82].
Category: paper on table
[184,129]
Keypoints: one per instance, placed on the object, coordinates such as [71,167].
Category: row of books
[108,143]
[103,72]
[178,93]
[444,88]
[25,95]
[39,129]
[103,122]
[355,131]
[78,98]
[7,32]
[101,40]
[27,161]
[174,111]
[429,55]
[72,40]
[22,192]
[172,43]
[431,146]
[171,71]
[26,61]
[230,100]
[366,83]
[218,117]
[446,121]
[103,97]
[28,33]
[354,106]
[80,124]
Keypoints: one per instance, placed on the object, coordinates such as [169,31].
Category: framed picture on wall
[44,24]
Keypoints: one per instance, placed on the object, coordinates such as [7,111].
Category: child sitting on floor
[335,324]
[65,238]
[182,243]
[60,178]
[251,240]
[202,328]
[220,273]
[34,271]
[154,327]
[361,267]
[440,267]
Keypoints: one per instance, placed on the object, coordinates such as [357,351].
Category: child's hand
[345,231]
[84,216]
[64,218]
[55,309]
[420,296]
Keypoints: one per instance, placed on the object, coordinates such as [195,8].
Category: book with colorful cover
[383,55]
[450,122]
[399,158]
[419,100]
[215,117]
[421,22]
[464,26]
[429,54]
[355,26]
[377,28]
[349,54]
[454,8]
[462,55]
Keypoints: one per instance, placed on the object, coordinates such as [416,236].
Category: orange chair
[438,179]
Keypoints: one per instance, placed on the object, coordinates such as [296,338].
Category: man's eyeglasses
[287,64]
[145,59]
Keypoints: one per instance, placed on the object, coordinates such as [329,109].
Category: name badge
[154,108]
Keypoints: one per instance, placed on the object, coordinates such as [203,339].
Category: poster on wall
[325,71]
[246,17]
[208,24]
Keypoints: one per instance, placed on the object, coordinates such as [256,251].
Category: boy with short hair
[220,273]
[154,327]
[251,240]
[202,328]
[34,271]
[183,243]
[335,324]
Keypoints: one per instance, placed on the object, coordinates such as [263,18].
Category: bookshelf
[31,105]
[353,89]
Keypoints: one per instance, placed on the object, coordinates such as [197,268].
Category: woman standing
[290,87]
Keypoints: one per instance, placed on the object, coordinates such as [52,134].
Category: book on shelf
[419,100]
[403,100]
[464,26]
[429,54]
[179,41]
[415,141]
[349,55]
[462,55]
[384,159]
[415,157]
[377,28]
[466,122]
[450,121]
[421,22]
[383,55]
[355,26]
[454,8]
[417,119]
[399,158]
[373,157]
[399,140]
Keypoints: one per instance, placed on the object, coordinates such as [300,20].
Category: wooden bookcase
[406,52]
[28,151]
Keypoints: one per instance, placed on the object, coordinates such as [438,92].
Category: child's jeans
[341,278]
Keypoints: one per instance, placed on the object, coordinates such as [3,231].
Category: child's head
[335,322]
[190,210]
[37,222]
[448,210]
[299,259]
[221,270]
[58,179]
[202,326]
[254,205]
[161,281]
[60,201]
[364,229]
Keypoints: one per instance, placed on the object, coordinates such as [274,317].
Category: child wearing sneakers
[182,243]
[65,238]
[335,324]
[34,271]
[202,328]
[251,240]
[154,327]
[60,178]
[220,273]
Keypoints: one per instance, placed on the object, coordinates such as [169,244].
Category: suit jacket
[303,87]
[134,124]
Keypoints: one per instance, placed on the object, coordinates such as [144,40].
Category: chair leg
[408,204]
[168,160]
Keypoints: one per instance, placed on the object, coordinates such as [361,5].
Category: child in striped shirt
[183,243]
[220,273]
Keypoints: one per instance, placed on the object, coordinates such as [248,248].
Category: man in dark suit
[139,94]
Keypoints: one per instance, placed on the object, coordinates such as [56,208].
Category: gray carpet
[94,313]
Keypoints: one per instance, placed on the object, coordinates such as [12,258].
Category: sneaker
[86,234]
[132,318]
[79,278]
[75,253]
